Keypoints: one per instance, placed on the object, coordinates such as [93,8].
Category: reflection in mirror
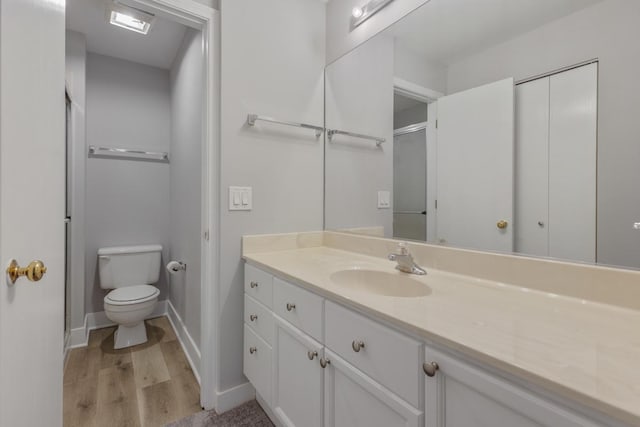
[509,126]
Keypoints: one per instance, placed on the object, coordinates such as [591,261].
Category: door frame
[428,96]
[207,20]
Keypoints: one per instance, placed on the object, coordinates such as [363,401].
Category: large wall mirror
[501,125]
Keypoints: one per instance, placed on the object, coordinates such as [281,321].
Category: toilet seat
[129,295]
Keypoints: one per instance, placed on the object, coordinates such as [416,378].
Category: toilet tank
[122,266]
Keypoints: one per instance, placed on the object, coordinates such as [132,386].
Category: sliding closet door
[532,168]
[572,164]
[475,167]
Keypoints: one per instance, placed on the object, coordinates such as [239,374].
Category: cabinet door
[298,377]
[460,395]
[354,400]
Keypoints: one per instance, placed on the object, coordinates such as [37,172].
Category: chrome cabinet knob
[324,362]
[311,354]
[253,317]
[254,284]
[430,368]
[357,345]
[252,350]
[540,224]
[290,306]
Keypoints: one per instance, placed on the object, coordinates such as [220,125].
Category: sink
[380,283]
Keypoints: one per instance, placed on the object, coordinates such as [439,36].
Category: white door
[32,209]
[354,400]
[475,167]
[532,168]
[297,377]
[572,163]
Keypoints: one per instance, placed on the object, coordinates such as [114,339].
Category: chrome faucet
[405,261]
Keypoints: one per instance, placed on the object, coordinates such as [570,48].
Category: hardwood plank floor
[148,385]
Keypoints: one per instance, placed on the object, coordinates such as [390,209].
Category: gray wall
[359,98]
[75,63]
[273,57]
[608,31]
[187,90]
[128,105]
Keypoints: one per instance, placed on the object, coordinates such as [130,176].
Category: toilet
[130,271]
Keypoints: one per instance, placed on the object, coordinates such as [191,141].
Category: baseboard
[236,396]
[80,336]
[189,346]
[267,410]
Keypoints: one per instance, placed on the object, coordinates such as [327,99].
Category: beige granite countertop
[585,351]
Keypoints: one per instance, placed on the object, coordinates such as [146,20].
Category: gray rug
[249,414]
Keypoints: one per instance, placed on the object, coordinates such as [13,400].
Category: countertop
[585,351]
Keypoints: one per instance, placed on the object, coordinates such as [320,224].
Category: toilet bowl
[128,307]
[129,272]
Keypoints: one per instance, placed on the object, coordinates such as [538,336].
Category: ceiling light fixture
[362,13]
[130,18]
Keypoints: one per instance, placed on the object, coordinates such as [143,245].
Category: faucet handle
[402,247]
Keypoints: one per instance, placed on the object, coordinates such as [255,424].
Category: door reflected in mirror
[508,126]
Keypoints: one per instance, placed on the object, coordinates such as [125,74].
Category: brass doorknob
[502,224]
[34,271]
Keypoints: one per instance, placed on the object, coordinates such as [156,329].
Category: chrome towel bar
[252,118]
[128,153]
[331,132]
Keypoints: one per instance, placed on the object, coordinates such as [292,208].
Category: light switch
[240,198]
[384,199]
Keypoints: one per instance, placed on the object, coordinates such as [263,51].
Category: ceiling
[445,31]
[158,48]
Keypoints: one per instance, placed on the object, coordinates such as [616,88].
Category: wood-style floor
[146,385]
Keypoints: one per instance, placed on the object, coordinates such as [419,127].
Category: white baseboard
[80,336]
[236,396]
[189,346]
[267,410]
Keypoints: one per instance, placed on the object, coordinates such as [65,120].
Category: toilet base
[127,336]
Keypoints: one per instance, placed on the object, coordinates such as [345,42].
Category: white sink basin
[380,283]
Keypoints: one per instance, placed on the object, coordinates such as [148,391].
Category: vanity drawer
[259,318]
[387,356]
[299,307]
[257,363]
[258,284]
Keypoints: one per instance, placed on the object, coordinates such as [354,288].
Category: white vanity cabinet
[458,394]
[316,363]
[297,398]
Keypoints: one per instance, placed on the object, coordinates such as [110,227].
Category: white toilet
[130,271]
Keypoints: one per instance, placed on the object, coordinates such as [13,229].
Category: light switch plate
[240,199]
[384,199]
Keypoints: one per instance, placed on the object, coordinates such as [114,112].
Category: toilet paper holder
[176,266]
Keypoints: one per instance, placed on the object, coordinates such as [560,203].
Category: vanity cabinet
[298,387]
[461,395]
[352,399]
[316,363]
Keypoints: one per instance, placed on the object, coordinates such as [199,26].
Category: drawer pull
[252,350]
[290,306]
[357,345]
[253,317]
[254,284]
[324,362]
[430,368]
[311,354]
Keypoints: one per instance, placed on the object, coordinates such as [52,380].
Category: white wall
[359,98]
[341,38]
[75,76]
[608,31]
[187,90]
[412,66]
[127,201]
[272,63]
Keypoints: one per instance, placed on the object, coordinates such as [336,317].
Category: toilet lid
[129,294]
